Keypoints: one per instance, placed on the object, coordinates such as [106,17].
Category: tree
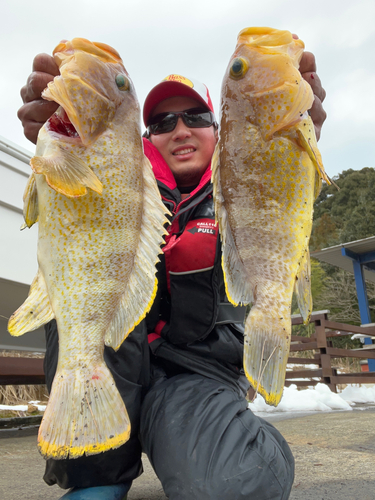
[347,214]
[325,232]
[341,216]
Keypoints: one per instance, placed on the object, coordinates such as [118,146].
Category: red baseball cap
[173,86]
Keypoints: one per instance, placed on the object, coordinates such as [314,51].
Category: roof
[333,256]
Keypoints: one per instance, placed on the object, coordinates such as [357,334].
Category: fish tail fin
[237,288]
[66,173]
[34,312]
[142,286]
[302,287]
[91,414]
[266,353]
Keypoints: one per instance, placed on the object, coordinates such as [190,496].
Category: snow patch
[23,407]
[359,394]
[318,398]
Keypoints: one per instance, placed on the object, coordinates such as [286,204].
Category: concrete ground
[334,453]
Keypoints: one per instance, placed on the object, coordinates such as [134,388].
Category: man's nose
[181,130]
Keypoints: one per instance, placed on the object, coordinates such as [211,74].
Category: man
[193,424]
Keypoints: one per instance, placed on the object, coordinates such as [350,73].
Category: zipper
[174,204]
[198,199]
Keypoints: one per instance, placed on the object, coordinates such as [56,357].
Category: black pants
[202,441]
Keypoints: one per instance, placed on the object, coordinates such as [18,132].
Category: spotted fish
[267,171]
[101,224]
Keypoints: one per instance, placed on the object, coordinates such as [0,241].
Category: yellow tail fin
[85,415]
[266,352]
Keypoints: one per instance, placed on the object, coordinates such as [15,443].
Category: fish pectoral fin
[85,424]
[141,287]
[317,184]
[307,141]
[237,288]
[30,202]
[34,312]
[266,351]
[302,287]
[66,173]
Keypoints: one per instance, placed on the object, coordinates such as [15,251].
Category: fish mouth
[60,124]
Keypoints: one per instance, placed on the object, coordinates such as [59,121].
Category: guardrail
[21,371]
[320,342]
[29,371]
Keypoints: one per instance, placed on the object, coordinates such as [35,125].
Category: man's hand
[308,71]
[35,110]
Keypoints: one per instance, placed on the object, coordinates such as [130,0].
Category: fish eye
[239,68]
[122,82]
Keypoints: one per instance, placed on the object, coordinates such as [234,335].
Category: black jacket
[192,326]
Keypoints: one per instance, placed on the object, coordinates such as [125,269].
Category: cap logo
[179,79]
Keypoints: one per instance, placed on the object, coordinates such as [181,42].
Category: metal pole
[360,284]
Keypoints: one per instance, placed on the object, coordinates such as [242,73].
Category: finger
[33,115]
[314,81]
[307,63]
[44,70]
[318,116]
[45,64]
[31,130]
[35,85]
[39,110]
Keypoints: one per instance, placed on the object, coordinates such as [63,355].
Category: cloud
[159,38]
[354,100]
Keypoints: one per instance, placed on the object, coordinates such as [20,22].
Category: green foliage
[341,216]
[347,214]
[324,233]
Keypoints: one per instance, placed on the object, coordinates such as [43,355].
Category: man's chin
[188,175]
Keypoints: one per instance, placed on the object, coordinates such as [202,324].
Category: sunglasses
[192,118]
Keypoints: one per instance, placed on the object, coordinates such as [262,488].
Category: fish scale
[267,172]
[101,224]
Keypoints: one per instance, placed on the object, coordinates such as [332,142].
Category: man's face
[187,151]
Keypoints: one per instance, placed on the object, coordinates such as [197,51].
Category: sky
[196,39]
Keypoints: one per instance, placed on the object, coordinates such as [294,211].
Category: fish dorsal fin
[30,202]
[302,287]
[66,173]
[34,312]
[237,289]
[141,288]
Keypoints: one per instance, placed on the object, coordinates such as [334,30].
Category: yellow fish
[267,170]
[101,224]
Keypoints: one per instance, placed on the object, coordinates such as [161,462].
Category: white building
[18,262]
